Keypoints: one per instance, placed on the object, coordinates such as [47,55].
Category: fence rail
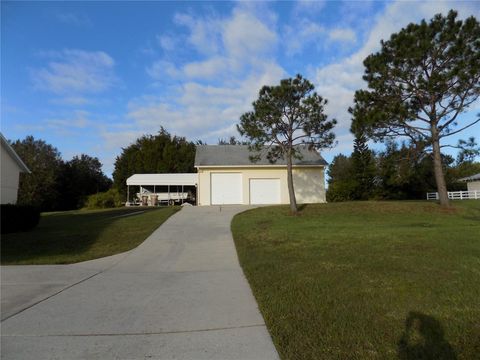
[456,195]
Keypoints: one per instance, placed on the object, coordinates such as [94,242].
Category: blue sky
[90,77]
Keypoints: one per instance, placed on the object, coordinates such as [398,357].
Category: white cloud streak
[81,20]
[75,72]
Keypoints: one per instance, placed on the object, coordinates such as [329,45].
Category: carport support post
[128,194]
[182,194]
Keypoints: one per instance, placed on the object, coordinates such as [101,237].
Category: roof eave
[259,165]
[14,155]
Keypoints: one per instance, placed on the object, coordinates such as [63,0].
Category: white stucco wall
[309,182]
[9,178]
[473,186]
[309,185]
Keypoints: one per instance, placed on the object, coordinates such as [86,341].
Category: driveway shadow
[423,339]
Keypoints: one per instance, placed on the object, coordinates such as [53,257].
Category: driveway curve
[180,295]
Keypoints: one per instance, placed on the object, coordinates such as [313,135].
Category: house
[226,175]
[11,167]
[473,182]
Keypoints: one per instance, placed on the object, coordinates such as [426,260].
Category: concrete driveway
[179,295]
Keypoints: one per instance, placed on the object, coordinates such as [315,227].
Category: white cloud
[207,68]
[343,35]
[69,124]
[203,111]
[161,68]
[72,100]
[166,42]
[246,36]
[203,33]
[75,71]
[298,37]
[74,19]
[309,7]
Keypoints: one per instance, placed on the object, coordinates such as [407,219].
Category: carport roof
[163,179]
[239,155]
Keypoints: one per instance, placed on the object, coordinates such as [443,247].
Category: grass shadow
[72,236]
[301,207]
[423,339]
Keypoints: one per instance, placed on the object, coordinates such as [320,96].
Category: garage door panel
[226,188]
[265,191]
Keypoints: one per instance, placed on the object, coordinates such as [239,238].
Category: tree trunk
[291,190]
[438,169]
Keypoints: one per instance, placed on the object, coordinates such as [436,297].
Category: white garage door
[264,191]
[226,188]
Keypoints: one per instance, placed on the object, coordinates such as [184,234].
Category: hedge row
[17,218]
[104,200]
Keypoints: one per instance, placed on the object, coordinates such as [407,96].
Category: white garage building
[473,182]
[226,175]
[11,167]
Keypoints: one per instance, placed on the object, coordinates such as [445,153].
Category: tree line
[399,172]
[55,184]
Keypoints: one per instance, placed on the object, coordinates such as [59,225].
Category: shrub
[17,218]
[104,200]
[342,190]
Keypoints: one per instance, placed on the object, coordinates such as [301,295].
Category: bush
[342,190]
[104,200]
[17,218]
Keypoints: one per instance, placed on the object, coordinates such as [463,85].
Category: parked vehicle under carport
[162,189]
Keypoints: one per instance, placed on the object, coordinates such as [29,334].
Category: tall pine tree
[363,161]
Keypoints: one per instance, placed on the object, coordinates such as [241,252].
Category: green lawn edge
[366,280]
[74,236]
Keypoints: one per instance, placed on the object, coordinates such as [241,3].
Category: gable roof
[6,146]
[475,177]
[238,155]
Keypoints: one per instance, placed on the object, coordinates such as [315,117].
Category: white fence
[456,195]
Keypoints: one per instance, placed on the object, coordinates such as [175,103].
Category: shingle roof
[6,146]
[238,155]
[475,177]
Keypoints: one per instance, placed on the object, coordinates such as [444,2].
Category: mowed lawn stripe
[366,280]
[74,236]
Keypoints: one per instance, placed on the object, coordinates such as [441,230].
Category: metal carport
[162,181]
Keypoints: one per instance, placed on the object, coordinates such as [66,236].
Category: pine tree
[363,162]
[419,83]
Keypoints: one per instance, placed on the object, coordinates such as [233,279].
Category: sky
[91,77]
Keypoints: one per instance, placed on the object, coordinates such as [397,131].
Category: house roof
[475,177]
[163,179]
[238,155]
[8,148]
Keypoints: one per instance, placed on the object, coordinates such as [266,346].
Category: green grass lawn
[73,236]
[366,280]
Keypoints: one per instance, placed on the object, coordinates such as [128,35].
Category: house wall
[9,178]
[473,186]
[309,182]
[309,185]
